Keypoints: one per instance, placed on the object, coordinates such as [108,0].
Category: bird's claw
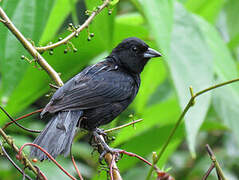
[112,151]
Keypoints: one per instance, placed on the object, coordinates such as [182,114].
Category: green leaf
[231,10]
[148,141]
[59,13]
[154,115]
[27,22]
[159,13]
[103,24]
[191,64]
[209,10]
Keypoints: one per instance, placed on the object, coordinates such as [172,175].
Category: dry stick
[12,162]
[77,31]
[22,117]
[30,48]
[48,155]
[208,171]
[214,160]
[26,161]
[122,126]
[188,106]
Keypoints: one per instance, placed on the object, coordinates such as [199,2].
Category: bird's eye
[134,48]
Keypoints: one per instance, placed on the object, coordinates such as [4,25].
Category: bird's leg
[105,148]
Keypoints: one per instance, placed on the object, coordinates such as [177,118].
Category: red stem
[135,155]
[76,168]
[48,155]
[22,117]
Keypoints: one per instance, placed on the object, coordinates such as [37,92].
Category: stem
[30,48]
[188,106]
[26,161]
[77,31]
[122,126]
[208,171]
[214,160]
[12,162]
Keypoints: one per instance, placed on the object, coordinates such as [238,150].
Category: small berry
[89,38]
[74,50]
[34,160]
[70,24]
[22,57]
[51,52]
[92,34]
[65,51]
[60,38]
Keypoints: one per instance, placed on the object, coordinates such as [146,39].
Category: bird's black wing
[95,86]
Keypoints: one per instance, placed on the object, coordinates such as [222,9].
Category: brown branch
[208,171]
[214,160]
[77,31]
[30,48]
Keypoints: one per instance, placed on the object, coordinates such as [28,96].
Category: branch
[208,171]
[216,164]
[30,48]
[77,31]
[19,125]
[25,160]
[122,126]
[22,117]
[188,106]
[13,163]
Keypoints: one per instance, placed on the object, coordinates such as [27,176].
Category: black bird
[93,97]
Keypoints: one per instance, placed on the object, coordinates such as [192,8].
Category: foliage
[199,43]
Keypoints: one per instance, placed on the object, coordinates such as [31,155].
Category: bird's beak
[150,53]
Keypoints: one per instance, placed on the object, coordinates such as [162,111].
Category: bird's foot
[99,138]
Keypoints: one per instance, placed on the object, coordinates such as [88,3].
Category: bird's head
[133,54]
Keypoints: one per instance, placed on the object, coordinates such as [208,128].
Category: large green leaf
[59,13]
[209,10]
[12,67]
[190,63]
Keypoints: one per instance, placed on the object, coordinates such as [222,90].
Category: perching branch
[30,48]
[188,106]
[77,31]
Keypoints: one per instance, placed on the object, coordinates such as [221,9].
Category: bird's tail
[58,135]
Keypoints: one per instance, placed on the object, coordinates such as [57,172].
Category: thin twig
[19,125]
[31,49]
[77,31]
[74,164]
[214,160]
[188,106]
[2,21]
[135,155]
[208,171]
[48,155]
[122,126]
[22,117]
[12,162]
[25,161]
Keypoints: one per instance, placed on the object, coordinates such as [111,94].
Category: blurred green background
[199,40]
